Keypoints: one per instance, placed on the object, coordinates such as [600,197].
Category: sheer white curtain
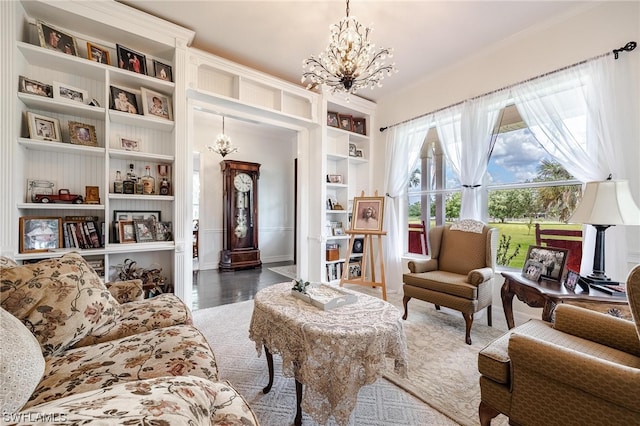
[577,114]
[404,142]
[471,126]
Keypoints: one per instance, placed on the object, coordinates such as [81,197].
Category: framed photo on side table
[532,270]
[552,260]
[131,60]
[38,234]
[43,128]
[82,134]
[156,104]
[54,39]
[571,281]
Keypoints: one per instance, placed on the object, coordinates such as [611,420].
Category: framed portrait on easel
[368,213]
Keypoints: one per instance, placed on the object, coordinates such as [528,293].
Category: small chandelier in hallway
[223,144]
[350,62]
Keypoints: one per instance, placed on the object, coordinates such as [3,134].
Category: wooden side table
[547,295]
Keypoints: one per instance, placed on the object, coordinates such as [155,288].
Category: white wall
[566,40]
[275,149]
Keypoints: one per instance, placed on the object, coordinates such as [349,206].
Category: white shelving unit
[74,167]
[355,173]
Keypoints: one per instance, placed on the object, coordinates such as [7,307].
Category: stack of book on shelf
[81,232]
[97,265]
[334,271]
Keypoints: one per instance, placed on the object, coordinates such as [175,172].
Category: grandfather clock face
[240,201]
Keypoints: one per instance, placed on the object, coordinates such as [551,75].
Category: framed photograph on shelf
[131,215]
[156,104]
[131,60]
[163,231]
[38,234]
[43,128]
[55,39]
[98,54]
[82,134]
[332,119]
[123,100]
[162,71]
[335,178]
[552,260]
[33,87]
[359,153]
[129,144]
[346,122]
[144,230]
[352,149]
[64,92]
[359,126]
[126,232]
[368,214]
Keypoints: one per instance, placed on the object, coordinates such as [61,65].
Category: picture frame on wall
[98,54]
[162,71]
[40,233]
[34,87]
[368,214]
[123,100]
[130,60]
[156,104]
[55,39]
[552,259]
[82,134]
[43,128]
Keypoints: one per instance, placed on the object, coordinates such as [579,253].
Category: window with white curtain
[525,186]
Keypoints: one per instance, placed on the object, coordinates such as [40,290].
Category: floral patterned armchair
[69,356]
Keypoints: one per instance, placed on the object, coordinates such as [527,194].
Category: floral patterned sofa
[74,350]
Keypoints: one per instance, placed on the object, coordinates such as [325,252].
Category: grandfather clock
[240,216]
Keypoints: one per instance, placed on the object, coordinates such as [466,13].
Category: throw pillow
[59,300]
[21,363]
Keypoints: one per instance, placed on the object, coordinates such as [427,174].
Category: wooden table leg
[269,357]
[507,303]
[298,420]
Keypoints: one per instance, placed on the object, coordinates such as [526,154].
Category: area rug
[442,369]
[289,271]
[379,404]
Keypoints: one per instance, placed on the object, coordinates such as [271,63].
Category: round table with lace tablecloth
[333,353]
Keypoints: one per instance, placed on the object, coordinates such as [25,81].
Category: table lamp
[605,204]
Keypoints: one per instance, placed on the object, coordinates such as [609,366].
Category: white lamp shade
[607,203]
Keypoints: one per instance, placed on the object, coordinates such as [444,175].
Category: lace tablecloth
[332,353]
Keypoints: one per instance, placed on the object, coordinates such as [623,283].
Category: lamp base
[589,280]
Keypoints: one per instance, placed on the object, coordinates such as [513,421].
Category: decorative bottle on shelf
[129,184]
[138,186]
[165,186]
[117,184]
[148,182]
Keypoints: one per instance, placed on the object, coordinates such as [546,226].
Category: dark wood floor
[213,288]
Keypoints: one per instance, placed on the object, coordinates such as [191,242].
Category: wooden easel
[367,255]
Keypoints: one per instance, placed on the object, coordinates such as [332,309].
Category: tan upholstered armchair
[583,369]
[459,274]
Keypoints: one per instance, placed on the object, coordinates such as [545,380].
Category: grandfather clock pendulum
[240,216]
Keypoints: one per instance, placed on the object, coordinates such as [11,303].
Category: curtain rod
[626,48]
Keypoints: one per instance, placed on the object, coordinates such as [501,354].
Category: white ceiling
[275,36]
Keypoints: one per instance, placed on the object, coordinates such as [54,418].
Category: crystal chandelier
[223,143]
[350,62]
